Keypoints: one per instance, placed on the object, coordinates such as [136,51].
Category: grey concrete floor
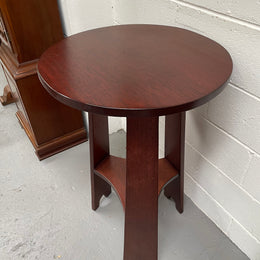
[45,210]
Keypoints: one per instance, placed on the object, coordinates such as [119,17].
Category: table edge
[130,112]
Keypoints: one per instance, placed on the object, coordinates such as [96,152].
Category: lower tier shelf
[113,170]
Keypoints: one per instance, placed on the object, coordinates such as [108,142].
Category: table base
[139,179]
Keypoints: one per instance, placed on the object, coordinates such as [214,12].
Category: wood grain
[174,153]
[141,70]
[99,150]
[113,170]
[141,205]
[32,29]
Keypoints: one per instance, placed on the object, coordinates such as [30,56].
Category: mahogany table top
[135,70]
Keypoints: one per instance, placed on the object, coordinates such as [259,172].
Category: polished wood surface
[141,70]
[99,149]
[113,170]
[27,28]
[139,179]
[141,205]
[32,26]
[174,154]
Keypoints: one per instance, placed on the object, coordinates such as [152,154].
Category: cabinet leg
[99,150]
[7,97]
[141,209]
[174,153]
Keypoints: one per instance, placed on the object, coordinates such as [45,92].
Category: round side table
[139,72]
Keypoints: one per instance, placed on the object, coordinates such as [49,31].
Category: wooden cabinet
[27,29]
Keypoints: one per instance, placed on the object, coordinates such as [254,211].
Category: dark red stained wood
[135,70]
[166,173]
[174,153]
[141,205]
[141,72]
[113,170]
[32,29]
[99,149]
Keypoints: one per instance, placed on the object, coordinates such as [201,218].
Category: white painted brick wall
[240,9]
[217,146]
[242,115]
[224,190]
[81,15]
[223,137]
[251,182]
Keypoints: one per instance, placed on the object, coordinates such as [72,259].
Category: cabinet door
[4,35]
[33,26]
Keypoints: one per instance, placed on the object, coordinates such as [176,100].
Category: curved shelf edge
[113,170]
[166,174]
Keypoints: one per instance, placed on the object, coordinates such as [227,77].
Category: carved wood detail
[7,97]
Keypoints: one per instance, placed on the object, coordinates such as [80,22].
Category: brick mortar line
[243,177]
[252,151]
[218,14]
[216,202]
[224,174]
[246,92]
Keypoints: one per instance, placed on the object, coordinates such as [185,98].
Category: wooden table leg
[174,153]
[141,209]
[99,149]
